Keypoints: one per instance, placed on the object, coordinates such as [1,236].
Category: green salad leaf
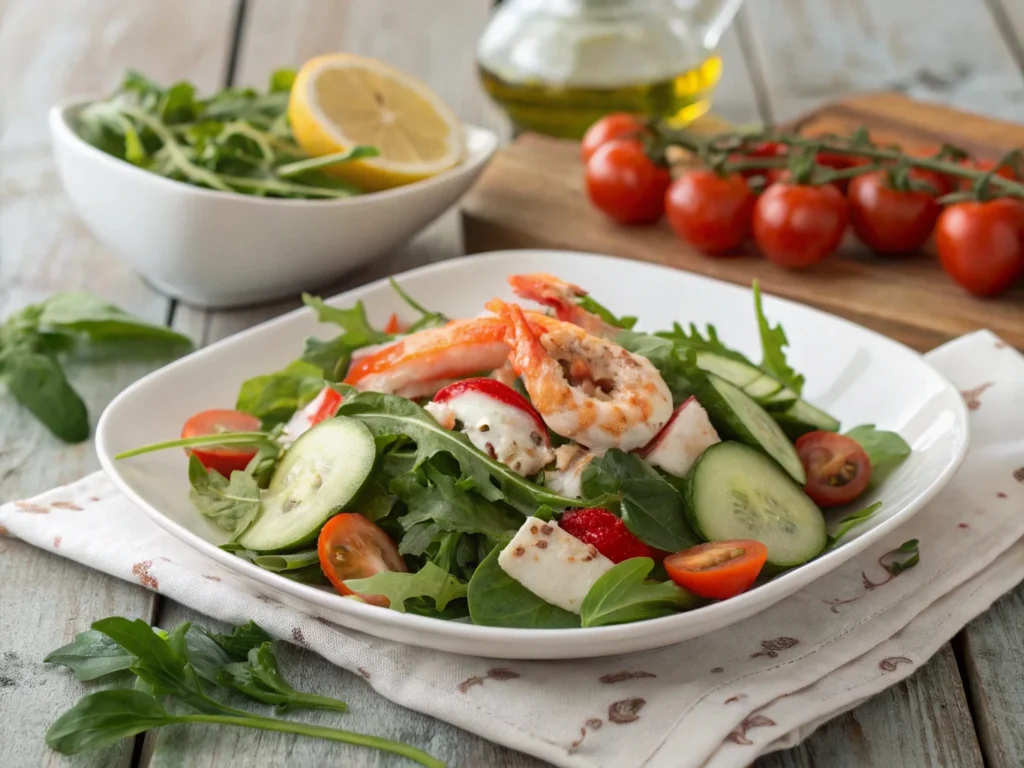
[76,312]
[259,678]
[428,318]
[332,357]
[886,450]
[773,342]
[430,582]
[498,600]
[274,397]
[850,522]
[36,380]
[231,504]
[242,639]
[623,595]
[626,322]
[91,655]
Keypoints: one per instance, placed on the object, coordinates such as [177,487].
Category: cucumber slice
[735,492]
[731,370]
[736,415]
[802,417]
[321,473]
[780,401]
[763,387]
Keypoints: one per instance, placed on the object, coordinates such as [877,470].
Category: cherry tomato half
[617,125]
[797,225]
[351,547]
[225,459]
[711,212]
[718,570]
[888,220]
[838,469]
[981,245]
[623,183]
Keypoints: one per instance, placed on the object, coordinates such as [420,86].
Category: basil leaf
[773,340]
[231,504]
[886,450]
[79,312]
[498,600]
[259,677]
[622,595]
[850,522]
[104,718]
[430,581]
[38,383]
[275,397]
[91,655]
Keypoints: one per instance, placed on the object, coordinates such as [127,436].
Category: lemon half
[339,101]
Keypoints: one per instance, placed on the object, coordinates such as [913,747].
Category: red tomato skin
[824,454]
[764,150]
[222,459]
[982,166]
[941,183]
[718,582]
[494,389]
[887,220]
[623,183]
[981,244]
[355,529]
[617,125]
[840,162]
[797,225]
[712,213]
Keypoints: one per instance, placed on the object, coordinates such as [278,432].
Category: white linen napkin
[717,701]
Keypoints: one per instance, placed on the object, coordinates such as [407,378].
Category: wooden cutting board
[531,197]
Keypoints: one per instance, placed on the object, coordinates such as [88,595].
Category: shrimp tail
[526,351]
[550,291]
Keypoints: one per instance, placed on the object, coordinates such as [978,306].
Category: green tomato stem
[226,438]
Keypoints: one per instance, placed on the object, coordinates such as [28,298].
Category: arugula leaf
[772,342]
[625,322]
[38,383]
[886,450]
[428,318]
[242,639]
[850,522]
[231,504]
[895,566]
[650,506]
[622,595]
[352,320]
[156,662]
[104,718]
[78,312]
[390,415]
[418,539]
[498,600]
[259,677]
[695,341]
[430,581]
[91,655]
[275,397]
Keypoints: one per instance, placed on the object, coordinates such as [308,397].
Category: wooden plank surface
[47,54]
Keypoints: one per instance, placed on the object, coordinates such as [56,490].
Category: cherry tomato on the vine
[623,182]
[888,220]
[797,225]
[617,125]
[840,162]
[940,183]
[710,211]
[761,151]
[838,468]
[986,165]
[981,244]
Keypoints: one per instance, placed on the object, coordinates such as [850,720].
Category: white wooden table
[963,709]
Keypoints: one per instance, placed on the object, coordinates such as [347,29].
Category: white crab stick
[681,442]
[321,407]
[554,565]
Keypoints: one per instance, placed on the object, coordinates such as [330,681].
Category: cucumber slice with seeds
[319,475]
[735,492]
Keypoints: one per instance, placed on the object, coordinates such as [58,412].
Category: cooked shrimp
[561,296]
[419,364]
[622,403]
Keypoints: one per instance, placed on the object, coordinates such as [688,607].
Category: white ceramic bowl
[856,374]
[218,249]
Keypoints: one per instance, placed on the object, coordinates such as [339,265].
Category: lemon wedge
[341,100]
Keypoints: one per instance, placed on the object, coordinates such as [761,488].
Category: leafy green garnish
[237,140]
[428,318]
[498,600]
[626,322]
[231,504]
[274,397]
[649,505]
[188,665]
[896,562]
[886,450]
[333,356]
[773,341]
[850,522]
[623,595]
[430,582]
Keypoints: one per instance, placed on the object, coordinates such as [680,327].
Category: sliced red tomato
[496,390]
[351,547]
[838,469]
[718,570]
[225,459]
[394,325]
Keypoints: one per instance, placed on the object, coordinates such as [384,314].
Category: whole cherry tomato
[840,162]
[941,183]
[797,225]
[623,182]
[617,125]
[981,244]
[985,165]
[888,220]
[838,468]
[709,211]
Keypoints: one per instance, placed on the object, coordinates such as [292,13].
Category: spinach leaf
[428,318]
[104,718]
[91,655]
[590,305]
[850,522]
[650,506]
[231,504]
[390,415]
[259,678]
[37,382]
[623,595]
[886,450]
[242,639]
[430,581]
[498,600]
[773,340]
[274,398]
[78,312]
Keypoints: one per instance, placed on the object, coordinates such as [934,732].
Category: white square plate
[857,375]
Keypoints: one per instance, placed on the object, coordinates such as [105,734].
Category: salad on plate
[530,468]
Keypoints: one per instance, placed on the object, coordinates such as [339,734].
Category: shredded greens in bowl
[237,140]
